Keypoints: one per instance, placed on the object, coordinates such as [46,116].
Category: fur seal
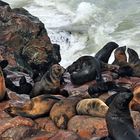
[3,64]
[23,88]
[119,122]
[94,107]
[120,56]
[37,107]
[106,51]
[101,88]
[50,82]
[134,62]
[133,56]
[84,69]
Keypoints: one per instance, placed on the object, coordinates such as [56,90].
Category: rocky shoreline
[26,46]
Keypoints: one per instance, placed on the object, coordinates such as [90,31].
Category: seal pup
[119,121]
[84,69]
[94,107]
[120,56]
[50,82]
[36,107]
[106,51]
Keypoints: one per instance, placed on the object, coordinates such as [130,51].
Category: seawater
[82,27]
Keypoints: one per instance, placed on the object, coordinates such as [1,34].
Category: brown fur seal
[84,69]
[3,64]
[119,122]
[106,51]
[134,62]
[94,107]
[50,82]
[133,56]
[120,56]
[37,107]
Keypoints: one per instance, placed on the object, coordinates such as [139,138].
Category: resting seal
[37,107]
[50,82]
[120,56]
[106,51]
[94,107]
[119,122]
[84,69]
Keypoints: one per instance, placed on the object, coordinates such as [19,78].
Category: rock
[65,135]
[27,35]
[8,123]
[87,126]
[47,124]
[19,133]
[41,136]
[63,110]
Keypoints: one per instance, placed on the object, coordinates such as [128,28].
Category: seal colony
[85,69]
[34,85]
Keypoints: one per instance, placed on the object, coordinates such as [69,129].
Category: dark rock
[24,41]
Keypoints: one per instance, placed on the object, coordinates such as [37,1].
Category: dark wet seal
[120,56]
[84,69]
[134,62]
[23,88]
[133,56]
[106,51]
[2,3]
[103,87]
[119,121]
[100,88]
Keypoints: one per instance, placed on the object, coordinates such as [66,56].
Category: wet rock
[19,133]
[87,126]
[27,35]
[63,110]
[47,124]
[65,135]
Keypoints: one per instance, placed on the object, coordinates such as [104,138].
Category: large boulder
[24,40]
